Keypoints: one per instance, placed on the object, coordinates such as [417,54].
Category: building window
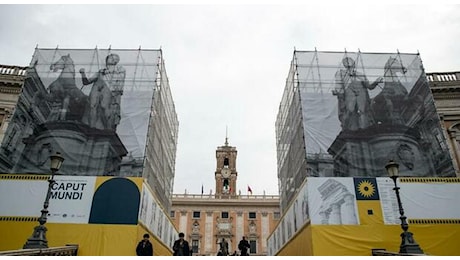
[226,162]
[252,215]
[172,214]
[253,248]
[195,245]
[276,215]
[196,214]
[224,214]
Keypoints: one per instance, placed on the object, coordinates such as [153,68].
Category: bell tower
[226,173]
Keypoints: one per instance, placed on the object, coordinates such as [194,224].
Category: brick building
[207,218]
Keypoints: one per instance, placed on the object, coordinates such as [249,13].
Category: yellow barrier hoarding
[352,216]
[100,214]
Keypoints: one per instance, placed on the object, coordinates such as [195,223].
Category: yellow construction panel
[370,212]
[136,180]
[333,240]
[300,244]
[92,239]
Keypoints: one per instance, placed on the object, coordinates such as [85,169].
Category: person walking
[181,246]
[145,247]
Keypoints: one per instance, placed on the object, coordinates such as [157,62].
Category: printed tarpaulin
[352,215]
[74,199]
[357,112]
[363,109]
[92,106]
[84,210]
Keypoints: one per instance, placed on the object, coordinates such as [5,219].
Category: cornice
[12,89]
[444,88]
[438,96]
[176,202]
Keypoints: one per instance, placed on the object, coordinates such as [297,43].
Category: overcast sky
[227,64]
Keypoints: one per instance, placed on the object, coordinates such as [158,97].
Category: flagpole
[249,190]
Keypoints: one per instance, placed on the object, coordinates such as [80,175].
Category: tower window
[226,162]
[196,214]
[252,215]
[224,214]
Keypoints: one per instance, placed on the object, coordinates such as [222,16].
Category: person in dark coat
[145,247]
[243,246]
[181,247]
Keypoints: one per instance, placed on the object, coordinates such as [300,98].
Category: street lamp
[38,238]
[408,244]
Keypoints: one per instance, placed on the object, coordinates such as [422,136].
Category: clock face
[226,172]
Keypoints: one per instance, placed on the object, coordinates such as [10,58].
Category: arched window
[226,184]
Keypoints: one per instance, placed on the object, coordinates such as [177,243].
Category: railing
[443,76]
[12,70]
[213,196]
[383,252]
[68,250]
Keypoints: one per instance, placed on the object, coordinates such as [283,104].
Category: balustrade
[68,250]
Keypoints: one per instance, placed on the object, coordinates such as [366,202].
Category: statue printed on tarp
[67,101]
[387,106]
[353,96]
[105,96]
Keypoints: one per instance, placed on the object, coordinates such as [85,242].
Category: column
[208,230]
[183,222]
[348,210]
[265,229]
[239,226]
[324,218]
[335,217]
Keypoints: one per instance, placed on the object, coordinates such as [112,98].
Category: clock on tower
[225,173]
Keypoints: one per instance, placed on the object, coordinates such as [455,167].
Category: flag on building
[249,190]
[202,189]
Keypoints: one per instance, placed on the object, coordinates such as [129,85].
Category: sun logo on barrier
[366,189]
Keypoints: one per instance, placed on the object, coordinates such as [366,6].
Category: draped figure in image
[105,96]
[352,93]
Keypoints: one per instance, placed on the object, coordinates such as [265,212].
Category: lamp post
[38,238]
[408,244]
